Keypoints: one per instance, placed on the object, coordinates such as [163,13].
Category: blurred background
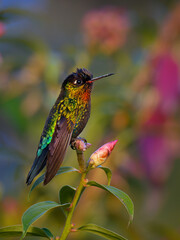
[41,42]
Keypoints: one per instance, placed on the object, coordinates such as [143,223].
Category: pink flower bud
[101,154]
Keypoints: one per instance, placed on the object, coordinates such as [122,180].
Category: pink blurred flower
[101,154]
[10,205]
[106,29]
[131,167]
[2,29]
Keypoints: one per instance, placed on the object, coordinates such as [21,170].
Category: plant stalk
[68,224]
[81,160]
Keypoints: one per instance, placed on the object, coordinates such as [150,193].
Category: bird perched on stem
[65,122]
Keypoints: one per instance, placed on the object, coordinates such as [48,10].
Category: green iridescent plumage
[66,120]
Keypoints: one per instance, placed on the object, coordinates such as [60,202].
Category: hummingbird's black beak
[103,76]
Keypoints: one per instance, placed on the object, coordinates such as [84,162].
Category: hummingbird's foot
[80,144]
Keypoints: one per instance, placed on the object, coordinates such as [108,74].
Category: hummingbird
[66,120]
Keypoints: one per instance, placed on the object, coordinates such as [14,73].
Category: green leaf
[16,231]
[66,195]
[100,231]
[48,232]
[122,196]
[35,212]
[61,170]
[108,173]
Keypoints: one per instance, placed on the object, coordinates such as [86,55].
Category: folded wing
[57,148]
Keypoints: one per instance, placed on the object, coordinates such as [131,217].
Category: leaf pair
[16,231]
[41,178]
[67,170]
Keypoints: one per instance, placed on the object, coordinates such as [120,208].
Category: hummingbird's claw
[80,144]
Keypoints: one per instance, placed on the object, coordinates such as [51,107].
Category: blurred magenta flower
[106,29]
[156,158]
[167,81]
[101,154]
[159,142]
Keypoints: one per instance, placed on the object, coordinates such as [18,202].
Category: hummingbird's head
[77,79]
[79,83]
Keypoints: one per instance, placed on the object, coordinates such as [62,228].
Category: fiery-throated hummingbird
[65,122]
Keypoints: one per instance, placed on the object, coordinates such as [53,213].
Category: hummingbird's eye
[78,82]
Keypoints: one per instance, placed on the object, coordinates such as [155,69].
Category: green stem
[81,160]
[68,226]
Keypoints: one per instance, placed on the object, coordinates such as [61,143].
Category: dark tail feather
[38,164]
